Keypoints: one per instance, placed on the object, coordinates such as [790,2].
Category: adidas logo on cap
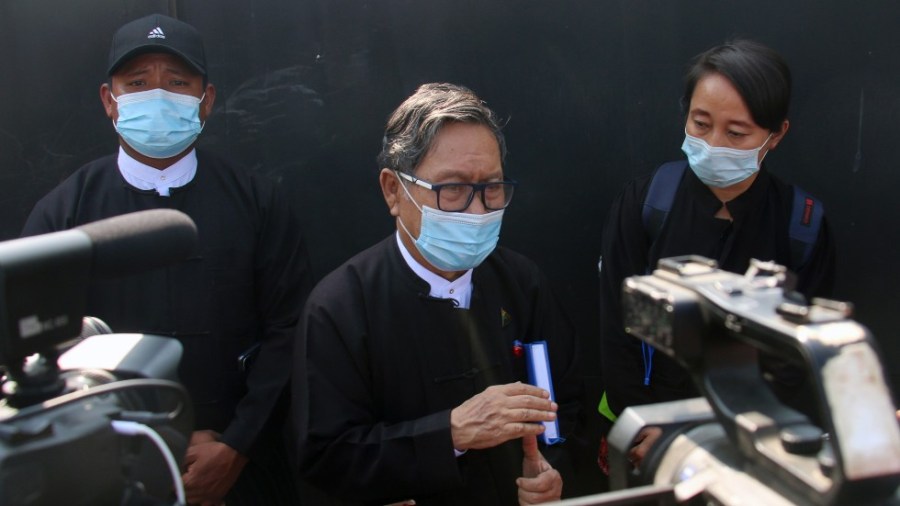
[156,33]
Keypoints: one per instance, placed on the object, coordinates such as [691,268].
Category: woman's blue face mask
[721,167]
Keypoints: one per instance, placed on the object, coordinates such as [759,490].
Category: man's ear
[390,188]
[109,105]
[206,107]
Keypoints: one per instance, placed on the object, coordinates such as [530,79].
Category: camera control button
[803,439]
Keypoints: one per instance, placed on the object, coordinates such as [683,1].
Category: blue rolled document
[539,375]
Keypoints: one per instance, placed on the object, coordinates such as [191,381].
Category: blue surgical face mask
[158,123]
[721,167]
[455,241]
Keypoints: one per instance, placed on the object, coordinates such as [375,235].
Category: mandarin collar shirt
[145,177]
[460,289]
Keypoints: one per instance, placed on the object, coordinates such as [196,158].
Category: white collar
[460,289]
[145,177]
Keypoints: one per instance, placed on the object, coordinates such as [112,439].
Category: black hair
[760,75]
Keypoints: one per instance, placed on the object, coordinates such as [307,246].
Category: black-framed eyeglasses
[456,197]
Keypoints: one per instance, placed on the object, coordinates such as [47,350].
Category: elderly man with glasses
[411,384]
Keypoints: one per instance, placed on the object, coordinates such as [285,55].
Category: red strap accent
[808,210]
[603,456]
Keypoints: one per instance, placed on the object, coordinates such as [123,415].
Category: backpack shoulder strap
[657,204]
[806,220]
[661,195]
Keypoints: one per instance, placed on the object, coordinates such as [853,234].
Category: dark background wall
[590,89]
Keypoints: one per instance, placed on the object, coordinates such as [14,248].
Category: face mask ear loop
[400,220]
[115,127]
[400,179]
[758,165]
[200,103]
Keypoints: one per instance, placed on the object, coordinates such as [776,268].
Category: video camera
[72,401]
[738,444]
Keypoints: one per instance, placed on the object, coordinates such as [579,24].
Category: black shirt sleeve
[282,282]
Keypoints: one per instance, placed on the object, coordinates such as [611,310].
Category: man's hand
[642,444]
[211,468]
[499,414]
[539,482]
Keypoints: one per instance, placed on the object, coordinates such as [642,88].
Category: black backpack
[806,213]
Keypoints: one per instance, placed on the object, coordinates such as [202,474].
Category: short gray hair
[412,127]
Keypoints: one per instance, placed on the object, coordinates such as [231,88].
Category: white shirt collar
[460,289]
[145,177]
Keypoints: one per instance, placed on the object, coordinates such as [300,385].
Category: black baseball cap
[157,33]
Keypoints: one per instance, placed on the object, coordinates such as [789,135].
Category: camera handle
[860,455]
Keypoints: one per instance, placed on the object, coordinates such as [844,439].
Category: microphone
[140,241]
[44,279]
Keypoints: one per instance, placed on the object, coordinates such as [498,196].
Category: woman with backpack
[722,203]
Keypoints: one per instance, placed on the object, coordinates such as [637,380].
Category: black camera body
[739,443]
[64,450]
[103,421]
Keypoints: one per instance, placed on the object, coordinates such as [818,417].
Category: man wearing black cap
[241,296]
